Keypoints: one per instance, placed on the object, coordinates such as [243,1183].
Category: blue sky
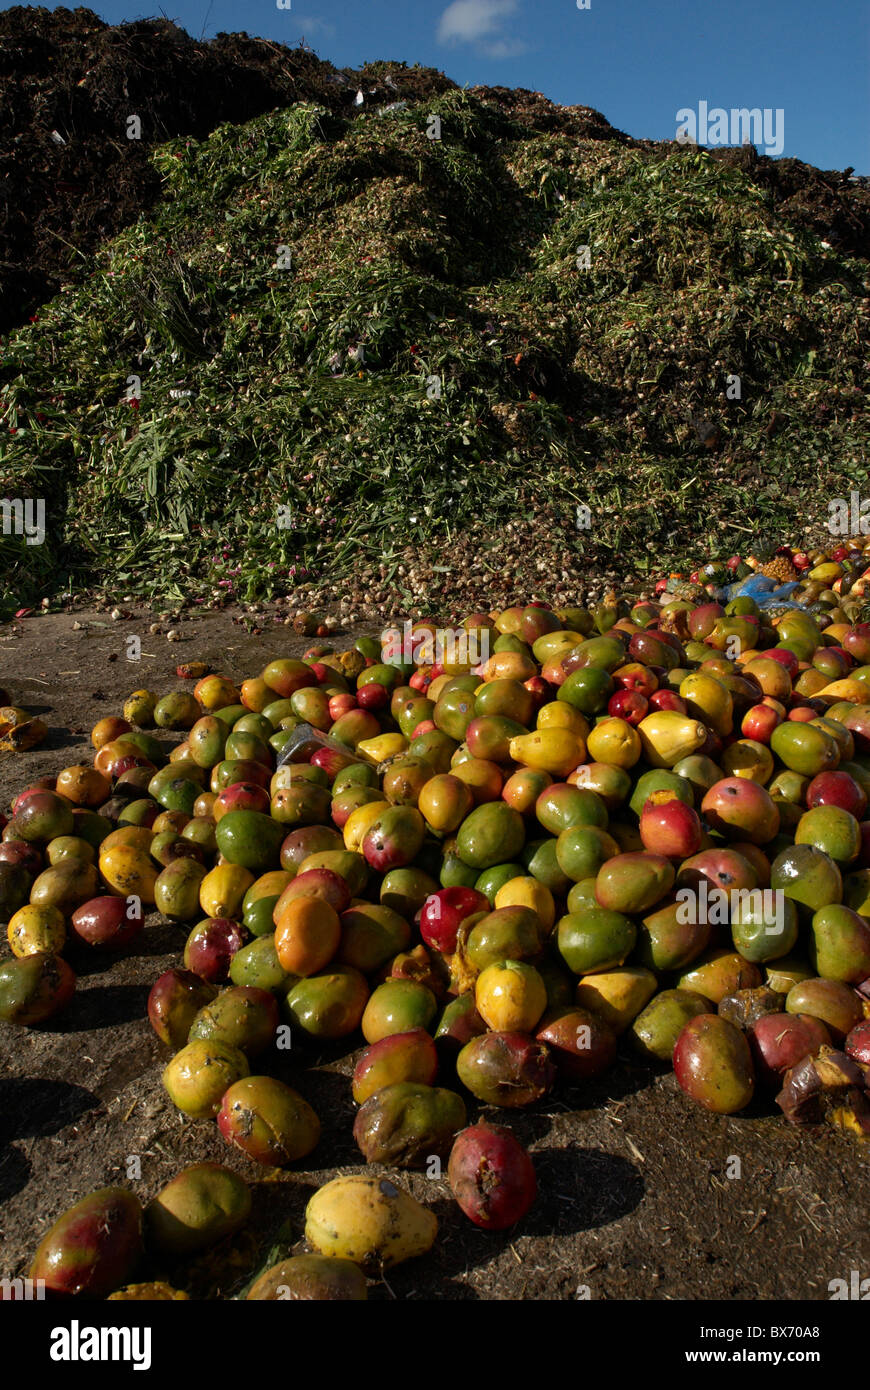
[638,62]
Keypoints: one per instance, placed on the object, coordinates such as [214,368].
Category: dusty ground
[635,1199]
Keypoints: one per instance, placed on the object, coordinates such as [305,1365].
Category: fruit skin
[668,941]
[506,1069]
[713,1064]
[834,831]
[370,1221]
[510,996]
[617,996]
[371,934]
[211,946]
[660,779]
[35,930]
[444,912]
[634,882]
[764,926]
[780,1041]
[840,946]
[458,1024]
[397,1006]
[250,838]
[329,1005]
[656,1029]
[176,892]
[64,885]
[406,1122]
[667,736]
[741,810]
[129,871]
[491,1176]
[594,939]
[268,1121]
[93,1247]
[394,839]
[200,1073]
[838,1006]
[34,988]
[804,748]
[857,1043]
[241,1016]
[174,1001]
[311,1278]
[719,972]
[580,1043]
[669,827]
[307,934]
[494,833]
[200,1206]
[410,1056]
[507,933]
[808,876]
[556,751]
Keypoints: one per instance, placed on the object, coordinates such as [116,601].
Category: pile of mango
[636,829]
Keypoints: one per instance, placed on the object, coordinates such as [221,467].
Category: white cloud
[481,22]
[313,25]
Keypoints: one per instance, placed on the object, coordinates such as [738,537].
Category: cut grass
[432,359]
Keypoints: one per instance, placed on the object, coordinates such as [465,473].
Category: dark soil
[635,1198]
[71,177]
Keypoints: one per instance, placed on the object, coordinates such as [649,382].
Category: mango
[268,1121]
[557,751]
[840,945]
[311,1278]
[713,1064]
[406,1123]
[66,886]
[34,987]
[370,1221]
[634,882]
[508,933]
[595,940]
[36,930]
[222,890]
[371,934]
[837,1005]
[720,972]
[93,1248]
[493,833]
[329,1005]
[200,1206]
[506,1069]
[242,1016]
[667,737]
[669,938]
[177,890]
[656,1029]
[617,996]
[200,1073]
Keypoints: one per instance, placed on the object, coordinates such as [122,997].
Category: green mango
[250,838]
[594,940]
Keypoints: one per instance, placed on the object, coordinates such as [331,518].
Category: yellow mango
[557,751]
[667,736]
[371,1221]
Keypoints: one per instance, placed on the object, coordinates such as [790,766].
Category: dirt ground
[635,1198]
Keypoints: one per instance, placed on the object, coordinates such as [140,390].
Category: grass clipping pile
[338,352]
[502,857]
